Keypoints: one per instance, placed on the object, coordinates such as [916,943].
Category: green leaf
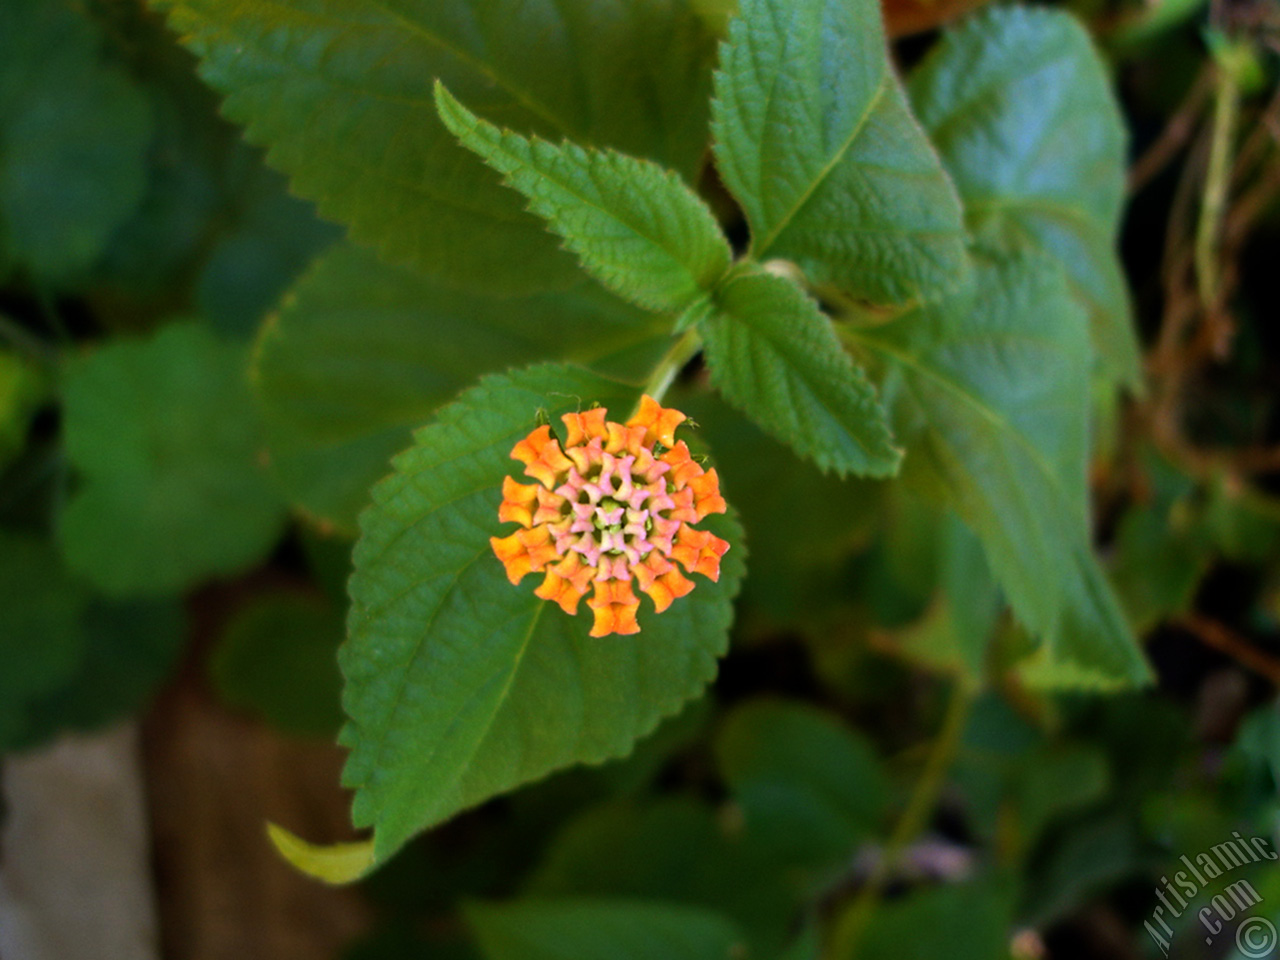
[42,636]
[806,946]
[806,781]
[795,514]
[157,251]
[272,240]
[595,929]
[816,141]
[671,847]
[340,90]
[69,661]
[800,522]
[1258,740]
[1019,104]
[1136,34]
[901,572]
[361,353]
[1016,782]
[1058,781]
[639,770]
[956,631]
[328,561]
[638,847]
[340,863]
[76,132]
[22,390]
[968,921]
[990,389]
[716,13]
[1094,856]
[1161,548]
[1242,522]
[775,357]
[278,659]
[635,226]
[460,686]
[130,650]
[165,439]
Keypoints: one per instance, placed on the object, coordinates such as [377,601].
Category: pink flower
[612,508]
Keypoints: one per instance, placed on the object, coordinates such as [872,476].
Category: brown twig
[1169,360]
[1251,205]
[1194,330]
[1265,132]
[1175,135]
[1258,460]
[1214,634]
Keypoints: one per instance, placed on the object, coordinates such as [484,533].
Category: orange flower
[611,507]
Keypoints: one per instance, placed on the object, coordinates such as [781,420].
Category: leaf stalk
[851,924]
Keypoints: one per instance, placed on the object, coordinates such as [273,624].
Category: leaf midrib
[477,127]
[498,701]
[533,106]
[912,362]
[377,741]
[828,168]
[818,396]
[1037,204]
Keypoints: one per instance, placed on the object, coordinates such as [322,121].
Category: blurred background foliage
[182,460]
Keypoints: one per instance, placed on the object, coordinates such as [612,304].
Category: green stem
[852,922]
[664,374]
[1226,106]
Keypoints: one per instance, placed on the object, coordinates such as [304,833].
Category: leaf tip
[337,864]
[891,465]
[451,112]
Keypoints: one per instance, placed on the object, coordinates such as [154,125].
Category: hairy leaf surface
[990,393]
[459,685]
[776,358]
[361,353]
[1020,106]
[341,91]
[635,226]
[816,141]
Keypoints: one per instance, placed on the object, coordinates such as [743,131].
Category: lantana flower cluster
[614,507]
